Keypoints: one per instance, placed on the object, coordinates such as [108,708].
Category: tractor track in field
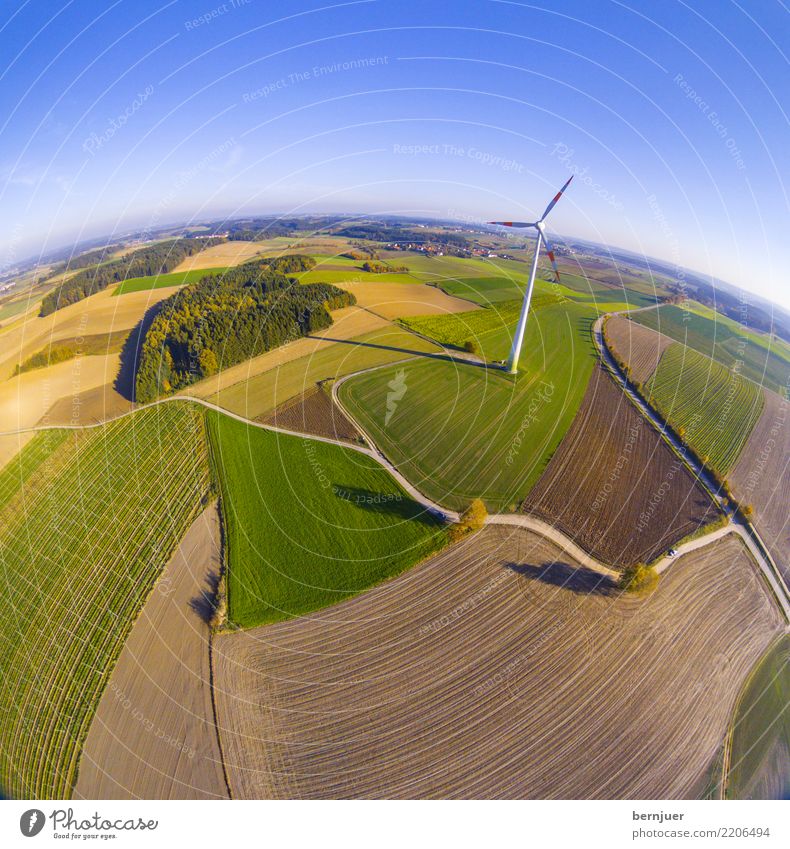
[735,525]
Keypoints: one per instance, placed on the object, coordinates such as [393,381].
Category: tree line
[222,320]
[146,262]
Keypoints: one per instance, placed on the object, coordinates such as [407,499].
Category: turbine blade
[513,223]
[552,260]
[556,198]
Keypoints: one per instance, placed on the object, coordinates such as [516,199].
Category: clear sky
[673,115]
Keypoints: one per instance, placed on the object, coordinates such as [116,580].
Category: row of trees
[145,262]
[383,268]
[221,321]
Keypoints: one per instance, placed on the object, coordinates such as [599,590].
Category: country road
[523,520]
[735,524]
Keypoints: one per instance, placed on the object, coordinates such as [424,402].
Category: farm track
[154,734]
[533,523]
[615,486]
[746,531]
[526,522]
[496,669]
[761,477]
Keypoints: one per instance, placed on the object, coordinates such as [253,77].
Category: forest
[223,320]
[145,262]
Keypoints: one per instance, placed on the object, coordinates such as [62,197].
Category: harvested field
[153,736]
[92,406]
[26,400]
[614,486]
[494,671]
[222,256]
[637,346]
[394,300]
[314,412]
[81,545]
[10,446]
[99,314]
[762,478]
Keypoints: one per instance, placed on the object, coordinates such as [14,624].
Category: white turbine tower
[515,351]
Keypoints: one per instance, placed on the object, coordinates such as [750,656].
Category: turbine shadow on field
[577,579]
[409,352]
[385,502]
[124,382]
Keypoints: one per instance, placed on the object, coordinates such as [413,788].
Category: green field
[480,326]
[12,308]
[459,431]
[162,281]
[260,394]
[715,407]
[760,757]
[353,275]
[723,340]
[17,471]
[82,544]
[308,524]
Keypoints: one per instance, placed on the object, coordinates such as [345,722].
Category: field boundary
[740,525]
[729,736]
[755,546]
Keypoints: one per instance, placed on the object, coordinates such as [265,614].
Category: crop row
[80,552]
[711,407]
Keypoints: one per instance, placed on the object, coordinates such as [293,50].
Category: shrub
[638,579]
[472,519]
[471,346]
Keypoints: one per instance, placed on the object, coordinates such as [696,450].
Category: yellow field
[393,300]
[12,444]
[101,313]
[228,253]
[25,400]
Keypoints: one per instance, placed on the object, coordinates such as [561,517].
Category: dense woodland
[223,320]
[146,262]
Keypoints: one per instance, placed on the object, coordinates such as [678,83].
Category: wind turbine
[515,350]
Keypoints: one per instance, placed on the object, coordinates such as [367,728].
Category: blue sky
[672,115]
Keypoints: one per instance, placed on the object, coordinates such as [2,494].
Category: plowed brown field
[639,347]
[153,735]
[314,412]
[496,670]
[762,477]
[615,486]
